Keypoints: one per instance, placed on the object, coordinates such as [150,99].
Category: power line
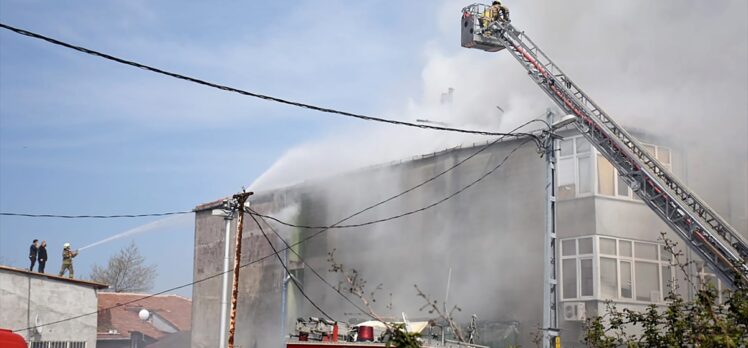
[322,230]
[243,92]
[94,216]
[296,282]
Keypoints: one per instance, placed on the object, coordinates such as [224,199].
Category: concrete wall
[24,297]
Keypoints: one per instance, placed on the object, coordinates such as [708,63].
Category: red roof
[116,323]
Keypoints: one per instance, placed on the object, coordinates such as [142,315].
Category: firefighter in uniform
[495,12]
[67,260]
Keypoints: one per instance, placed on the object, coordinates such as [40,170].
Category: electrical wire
[280,260]
[94,216]
[322,230]
[240,91]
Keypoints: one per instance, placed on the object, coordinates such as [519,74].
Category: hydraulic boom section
[679,207]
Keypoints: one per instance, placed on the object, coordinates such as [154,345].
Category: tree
[701,322]
[126,271]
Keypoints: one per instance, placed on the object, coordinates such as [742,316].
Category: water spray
[133,231]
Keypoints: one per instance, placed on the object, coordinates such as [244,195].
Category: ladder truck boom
[678,206]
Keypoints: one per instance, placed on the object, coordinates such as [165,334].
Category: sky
[81,135]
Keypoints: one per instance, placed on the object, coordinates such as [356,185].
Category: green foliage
[702,322]
[401,338]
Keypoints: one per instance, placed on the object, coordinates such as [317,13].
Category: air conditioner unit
[575,311]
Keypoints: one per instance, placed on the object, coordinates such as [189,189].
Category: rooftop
[54,277]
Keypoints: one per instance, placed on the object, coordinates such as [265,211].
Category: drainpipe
[284,284]
[228,214]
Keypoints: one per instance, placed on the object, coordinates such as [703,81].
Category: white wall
[23,297]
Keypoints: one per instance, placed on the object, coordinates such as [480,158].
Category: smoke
[673,69]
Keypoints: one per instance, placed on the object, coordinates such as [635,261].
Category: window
[662,154]
[585,246]
[609,183]
[608,278]
[608,246]
[574,167]
[606,177]
[647,281]
[707,278]
[613,268]
[626,288]
[577,273]
[570,278]
[586,277]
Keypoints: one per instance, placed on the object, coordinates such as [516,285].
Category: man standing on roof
[67,260]
[42,256]
[32,254]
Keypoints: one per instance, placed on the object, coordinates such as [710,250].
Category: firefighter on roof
[67,260]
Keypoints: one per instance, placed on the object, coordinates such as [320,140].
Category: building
[28,300]
[489,238]
[128,321]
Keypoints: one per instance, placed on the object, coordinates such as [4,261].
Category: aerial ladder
[678,206]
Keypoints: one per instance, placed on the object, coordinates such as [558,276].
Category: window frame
[661,262]
[630,196]
[575,156]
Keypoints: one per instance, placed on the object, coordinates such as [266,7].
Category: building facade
[29,299]
[486,242]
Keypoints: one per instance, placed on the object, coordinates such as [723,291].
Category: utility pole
[240,198]
[550,282]
[550,320]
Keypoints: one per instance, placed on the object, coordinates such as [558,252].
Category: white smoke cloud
[673,68]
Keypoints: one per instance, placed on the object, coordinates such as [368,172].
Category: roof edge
[88,283]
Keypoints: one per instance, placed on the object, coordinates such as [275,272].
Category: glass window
[585,246]
[667,280]
[625,279]
[650,149]
[583,146]
[567,147]
[608,278]
[586,276]
[625,248]
[646,251]
[569,269]
[663,155]
[605,177]
[665,255]
[585,173]
[565,171]
[569,247]
[623,188]
[566,183]
[607,246]
[647,282]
